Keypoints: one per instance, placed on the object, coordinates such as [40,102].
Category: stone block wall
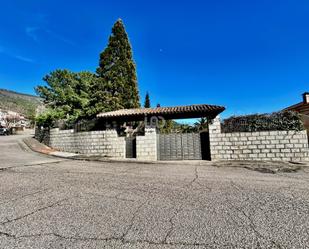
[146,146]
[104,143]
[267,145]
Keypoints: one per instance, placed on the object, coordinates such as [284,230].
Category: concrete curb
[36,146]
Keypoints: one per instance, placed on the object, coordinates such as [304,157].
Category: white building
[11,119]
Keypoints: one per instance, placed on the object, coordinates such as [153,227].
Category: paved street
[46,202]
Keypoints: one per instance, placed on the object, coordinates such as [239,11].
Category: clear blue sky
[250,56]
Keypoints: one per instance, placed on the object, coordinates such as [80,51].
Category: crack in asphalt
[180,209]
[196,175]
[108,239]
[133,219]
[172,225]
[193,180]
[128,170]
[10,169]
[130,225]
[122,238]
[7,168]
[116,197]
[34,212]
[23,196]
[252,225]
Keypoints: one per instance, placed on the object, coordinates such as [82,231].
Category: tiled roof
[301,107]
[176,111]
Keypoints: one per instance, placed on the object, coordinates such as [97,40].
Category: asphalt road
[55,203]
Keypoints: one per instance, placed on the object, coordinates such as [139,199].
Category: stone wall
[104,143]
[268,145]
[146,146]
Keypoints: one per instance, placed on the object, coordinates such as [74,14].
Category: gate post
[146,146]
[214,136]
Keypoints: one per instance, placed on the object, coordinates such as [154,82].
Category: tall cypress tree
[117,74]
[147,101]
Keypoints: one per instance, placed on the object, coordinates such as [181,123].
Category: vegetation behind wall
[277,121]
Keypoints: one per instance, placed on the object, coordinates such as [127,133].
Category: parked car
[4,131]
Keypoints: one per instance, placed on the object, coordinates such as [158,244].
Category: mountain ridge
[22,103]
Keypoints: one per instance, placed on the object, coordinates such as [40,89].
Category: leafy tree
[66,95]
[168,126]
[186,128]
[73,96]
[171,126]
[102,99]
[117,83]
[201,124]
[49,117]
[147,101]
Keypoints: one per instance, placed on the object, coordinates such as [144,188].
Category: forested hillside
[24,104]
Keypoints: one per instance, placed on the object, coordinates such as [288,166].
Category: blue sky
[250,56]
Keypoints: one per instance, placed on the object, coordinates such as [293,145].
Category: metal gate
[130,147]
[179,146]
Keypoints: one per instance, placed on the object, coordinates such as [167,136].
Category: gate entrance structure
[153,146]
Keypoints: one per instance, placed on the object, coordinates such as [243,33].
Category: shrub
[285,120]
[48,118]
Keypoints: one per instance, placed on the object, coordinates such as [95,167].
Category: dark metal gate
[205,145]
[130,147]
[179,146]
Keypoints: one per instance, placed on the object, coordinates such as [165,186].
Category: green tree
[168,127]
[147,101]
[102,98]
[66,95]
[117,83]
[49,117]
[201,124]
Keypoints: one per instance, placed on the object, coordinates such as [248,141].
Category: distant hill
[24,104]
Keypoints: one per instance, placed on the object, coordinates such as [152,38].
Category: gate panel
[178,146]
[130,147]
[205,146]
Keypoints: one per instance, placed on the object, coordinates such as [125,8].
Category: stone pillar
[215,126]
[146,146]
[214,138]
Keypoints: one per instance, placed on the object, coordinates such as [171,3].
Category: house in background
[302,108]
[10,119]
[2,117]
